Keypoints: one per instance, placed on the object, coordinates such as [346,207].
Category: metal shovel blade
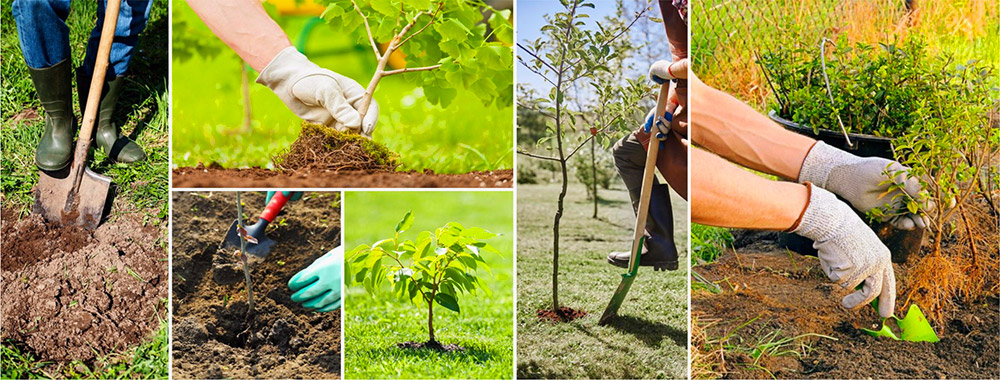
[56,202]
[616,300]
[260,249]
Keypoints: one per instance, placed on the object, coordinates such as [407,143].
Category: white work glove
[662,71]
[863,182]
[849,251]
[318,95]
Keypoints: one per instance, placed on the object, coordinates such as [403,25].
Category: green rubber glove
[291,195]
[318,286]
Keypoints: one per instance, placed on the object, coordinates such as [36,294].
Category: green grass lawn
[208,109]
[373,324]
[140,188]
[647,340]
[141,113]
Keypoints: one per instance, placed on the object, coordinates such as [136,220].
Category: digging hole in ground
[562,314]
[69,294]
[323,148]
[430,345]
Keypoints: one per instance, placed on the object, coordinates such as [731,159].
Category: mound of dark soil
[69,294]
[563,314]
[790,294]
[214,335]
[325,149]
[215,176]
[430,345]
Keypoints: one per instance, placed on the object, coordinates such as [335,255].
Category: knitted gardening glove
[864,182]
[318,95]
[849,251]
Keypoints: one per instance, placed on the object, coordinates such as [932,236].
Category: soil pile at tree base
[323,157]
[563,314]
[430,345]
[72,295]
[790,294]
[214,335]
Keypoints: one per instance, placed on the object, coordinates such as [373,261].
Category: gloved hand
[662,125]
[864,182]
[662,71]
[291,195]
[318,95]
[849,251]
[318,286]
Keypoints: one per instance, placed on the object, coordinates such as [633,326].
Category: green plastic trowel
[914,327]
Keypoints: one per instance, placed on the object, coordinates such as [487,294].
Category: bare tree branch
[521,152]
[533,108]
[371,37]
[584,142]
[433,18]
[409,69]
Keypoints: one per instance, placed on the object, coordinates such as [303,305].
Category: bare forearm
[677,31]
[726,195]
[732,129]
[245,27]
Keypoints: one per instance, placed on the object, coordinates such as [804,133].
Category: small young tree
[446,43]
[568,53]
[437,267]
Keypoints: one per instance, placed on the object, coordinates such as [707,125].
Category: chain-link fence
[728,36]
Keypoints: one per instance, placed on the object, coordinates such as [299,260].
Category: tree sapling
[436,268]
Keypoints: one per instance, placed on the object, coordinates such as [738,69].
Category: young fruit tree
[570,53]
[435,268]
[446,44]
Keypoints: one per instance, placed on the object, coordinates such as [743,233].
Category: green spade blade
[885,332]
[915,327]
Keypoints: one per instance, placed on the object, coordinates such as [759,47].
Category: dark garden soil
[215,176]
[69,294]
[322,157]
[563,314]
[789,293]
[431,345]
[213,335]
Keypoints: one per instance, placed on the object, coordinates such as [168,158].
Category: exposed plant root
[933,282]
[323,148]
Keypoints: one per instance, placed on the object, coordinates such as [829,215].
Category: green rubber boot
[55,90]
[117,146]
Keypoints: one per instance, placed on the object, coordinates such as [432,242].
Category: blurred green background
[208,106]
[373,324]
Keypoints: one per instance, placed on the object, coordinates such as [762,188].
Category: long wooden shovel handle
[647,179]
[94,96]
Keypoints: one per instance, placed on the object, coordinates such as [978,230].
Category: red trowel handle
[278,201]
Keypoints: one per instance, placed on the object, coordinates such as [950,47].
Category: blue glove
[661,130]
[318,286]
[291,195]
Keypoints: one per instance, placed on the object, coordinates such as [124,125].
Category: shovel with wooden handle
[76,195]
[640,221]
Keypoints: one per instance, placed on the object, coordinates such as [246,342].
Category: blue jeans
[44,36]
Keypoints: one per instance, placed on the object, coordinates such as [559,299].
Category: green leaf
[419,4]
[385,7]
[449,302]
[405,223]
[451,29]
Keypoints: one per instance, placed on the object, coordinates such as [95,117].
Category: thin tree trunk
[968,232]
[430,319]
[593,172]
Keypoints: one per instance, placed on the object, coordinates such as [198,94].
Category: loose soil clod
[563,314]
[214,336]
[430,345]
[72,295]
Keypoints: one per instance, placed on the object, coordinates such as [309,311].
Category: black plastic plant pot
[901,243]
[863,145]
